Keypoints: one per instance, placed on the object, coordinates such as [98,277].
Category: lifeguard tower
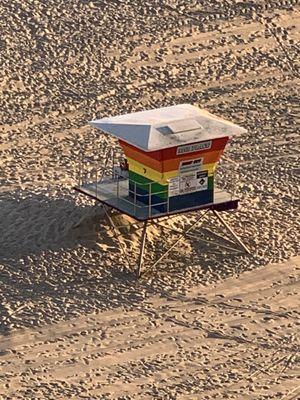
[167,167]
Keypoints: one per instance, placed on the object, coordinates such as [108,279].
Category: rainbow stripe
[149,173]
[162,177]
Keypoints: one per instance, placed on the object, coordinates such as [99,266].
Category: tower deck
[116,193]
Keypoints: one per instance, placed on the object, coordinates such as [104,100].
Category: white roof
[166,127]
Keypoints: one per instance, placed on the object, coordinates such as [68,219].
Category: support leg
[180,238]
[115,231]
[142,250]
[223,222]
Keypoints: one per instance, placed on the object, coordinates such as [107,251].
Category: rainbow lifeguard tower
[167,164]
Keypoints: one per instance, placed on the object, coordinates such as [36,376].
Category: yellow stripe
[144,170]
[159,177]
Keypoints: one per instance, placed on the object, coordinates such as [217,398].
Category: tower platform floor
[114,193]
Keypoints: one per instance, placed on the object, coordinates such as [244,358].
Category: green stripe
[143,183]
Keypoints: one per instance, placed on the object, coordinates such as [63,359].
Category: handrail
[110,173]
[144,195]
[142,206]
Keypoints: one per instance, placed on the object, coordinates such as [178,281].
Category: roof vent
[184,125]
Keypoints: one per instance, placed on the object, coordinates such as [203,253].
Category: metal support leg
[115,231]
[223,222]
[178,240]
[142,249]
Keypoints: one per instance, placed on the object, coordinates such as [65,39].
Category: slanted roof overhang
[167,127]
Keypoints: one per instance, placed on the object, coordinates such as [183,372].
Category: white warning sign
[188,183]
[174,186]
[202,180]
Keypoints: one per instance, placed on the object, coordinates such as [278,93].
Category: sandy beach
[234,340]
[205,323]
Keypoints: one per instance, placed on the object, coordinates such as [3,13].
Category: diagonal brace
[142,249]
[227,226]
[180,238]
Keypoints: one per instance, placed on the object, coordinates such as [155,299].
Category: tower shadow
[58,260]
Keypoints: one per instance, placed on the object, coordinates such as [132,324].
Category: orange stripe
[171,164]
[142,158]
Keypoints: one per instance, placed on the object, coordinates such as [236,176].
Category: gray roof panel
[167,127]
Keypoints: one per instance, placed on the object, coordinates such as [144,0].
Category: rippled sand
[203,324]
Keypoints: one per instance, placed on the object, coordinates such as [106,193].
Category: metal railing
[96,174]
[138,200]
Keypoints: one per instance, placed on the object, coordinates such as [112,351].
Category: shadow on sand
[54,266]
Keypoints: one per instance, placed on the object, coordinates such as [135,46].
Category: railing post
[150,193]
[113,163]
[118,180]
[168,200]
[134,204]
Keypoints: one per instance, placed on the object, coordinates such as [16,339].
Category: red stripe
[217,144]
[171,153]
[157,155]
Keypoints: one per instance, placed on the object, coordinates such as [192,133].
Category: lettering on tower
[189,148]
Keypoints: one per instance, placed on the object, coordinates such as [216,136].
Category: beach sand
[205,323]
[236,340]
